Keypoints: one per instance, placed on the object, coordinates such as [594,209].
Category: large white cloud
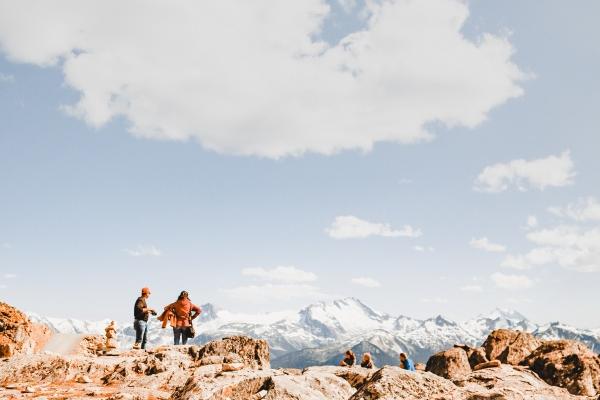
[584,209]
[551,171]
[351,227]
[253,77]
[571,247]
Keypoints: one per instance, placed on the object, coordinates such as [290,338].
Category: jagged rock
[508,383]
[452,363]
[394,383]
[18,335]
[90,344]
[211,360]
[253,352]
[229,367]
[420,367]
[510,347]
[83,379]
[489,364]
[356,376]
[476,356]
[567,364]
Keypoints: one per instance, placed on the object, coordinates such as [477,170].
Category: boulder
[568,364]
[395,383]
[510,347]
[254,353]
[450,364]
[508,383]
[18,335]
[355,376]
[489,364]
[476,356]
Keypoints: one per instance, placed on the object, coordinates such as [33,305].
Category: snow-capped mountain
[320,333]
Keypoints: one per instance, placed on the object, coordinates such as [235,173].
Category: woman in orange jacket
[181,317]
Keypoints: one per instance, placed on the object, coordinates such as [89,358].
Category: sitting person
[367,361]
[348,360]
[406,363]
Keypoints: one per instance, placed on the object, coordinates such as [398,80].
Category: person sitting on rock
[367,361]
[406,363]
[349,359]
[182,317]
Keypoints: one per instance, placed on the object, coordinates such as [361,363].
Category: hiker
[348,360]
[180,315]
[406,363]
[140,315]
[367,361]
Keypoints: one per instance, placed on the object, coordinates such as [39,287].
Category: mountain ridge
[318,333]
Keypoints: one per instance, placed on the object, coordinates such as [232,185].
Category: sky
[427,157]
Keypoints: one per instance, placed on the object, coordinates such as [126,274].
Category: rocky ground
[509,365]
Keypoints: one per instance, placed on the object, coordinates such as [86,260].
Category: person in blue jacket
[406,363]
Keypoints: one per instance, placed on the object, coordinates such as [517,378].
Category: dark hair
[183,295]
[403,355]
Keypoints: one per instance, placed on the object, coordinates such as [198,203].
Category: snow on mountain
[320,333]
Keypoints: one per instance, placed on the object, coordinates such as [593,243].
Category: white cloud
[269,292]
[552,171]
[282,274]
[254,78]
[10,276]
[511,282]
[423,249]
[350,227]
[144,251]
[472,288]
[4,78]
[366,282]
[437,300]
[570,247]
[585,209]
[6,245]
[532,222]
[485,244]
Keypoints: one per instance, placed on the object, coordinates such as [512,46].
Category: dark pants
[141,331]
[180,335]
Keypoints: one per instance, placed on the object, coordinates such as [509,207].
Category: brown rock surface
[18,335]
[394,383]
[509,383]
[510,347]
[567,364]
[254,353]
[476,356]
[450,364]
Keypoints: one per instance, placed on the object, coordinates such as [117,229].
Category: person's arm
[197,311]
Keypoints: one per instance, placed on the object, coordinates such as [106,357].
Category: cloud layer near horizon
[254,78]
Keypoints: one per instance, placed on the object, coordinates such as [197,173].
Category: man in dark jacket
[140,315]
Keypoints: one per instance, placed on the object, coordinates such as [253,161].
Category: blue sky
[229,184]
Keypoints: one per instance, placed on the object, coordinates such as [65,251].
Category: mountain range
[319,333]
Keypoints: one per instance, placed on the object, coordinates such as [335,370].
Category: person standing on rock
[406,363]
[182,317]
[367,361]
[141,312]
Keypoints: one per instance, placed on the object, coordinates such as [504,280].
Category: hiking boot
[137,346]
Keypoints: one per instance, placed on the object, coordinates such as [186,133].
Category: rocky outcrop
[391,383]
[253,353]
[508,383]
[18,335]
[510,347]
[450,364]
[567,364]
